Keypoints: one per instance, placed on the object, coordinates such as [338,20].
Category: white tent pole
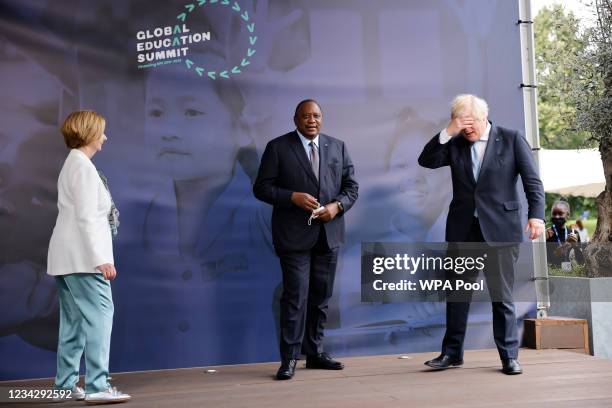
[530,95]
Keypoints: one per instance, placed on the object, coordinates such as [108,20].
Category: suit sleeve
[266,187]
[534,190]
[349,188]
[435,154]
[84,185]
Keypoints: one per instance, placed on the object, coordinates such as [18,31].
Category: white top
[478,150]
[81,238]
[584,235]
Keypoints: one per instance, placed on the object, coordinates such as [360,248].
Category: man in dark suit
[308,179]
[485,162]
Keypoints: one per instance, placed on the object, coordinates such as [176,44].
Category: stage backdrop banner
[192,91]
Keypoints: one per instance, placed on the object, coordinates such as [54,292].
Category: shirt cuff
[444,137]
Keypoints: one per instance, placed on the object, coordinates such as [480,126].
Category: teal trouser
[86,322]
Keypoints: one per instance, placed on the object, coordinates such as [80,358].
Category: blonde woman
[81,259]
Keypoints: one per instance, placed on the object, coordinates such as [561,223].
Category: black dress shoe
[511,366]
[286,370]
[324,362]
[443,361]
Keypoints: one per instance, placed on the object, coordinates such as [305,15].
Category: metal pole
[530,95]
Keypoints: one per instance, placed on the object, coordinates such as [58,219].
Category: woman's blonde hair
[81,128]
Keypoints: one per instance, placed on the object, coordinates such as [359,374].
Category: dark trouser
[308,281]
[499,274]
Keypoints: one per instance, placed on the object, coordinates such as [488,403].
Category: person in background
[197,239]
[81,259]
[583,233]
[562,243]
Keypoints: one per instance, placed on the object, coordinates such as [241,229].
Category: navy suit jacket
[494,195]
[284,169]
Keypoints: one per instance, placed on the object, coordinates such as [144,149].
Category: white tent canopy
[572,172]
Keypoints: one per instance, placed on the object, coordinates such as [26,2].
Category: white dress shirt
[81,239]
[306,143]
[477,151]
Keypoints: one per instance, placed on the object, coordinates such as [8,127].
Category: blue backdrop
[198,280]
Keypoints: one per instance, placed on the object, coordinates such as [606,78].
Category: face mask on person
[558,222]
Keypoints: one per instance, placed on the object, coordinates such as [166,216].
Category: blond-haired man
[485,162]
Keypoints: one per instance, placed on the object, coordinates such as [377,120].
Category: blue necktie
[476,160]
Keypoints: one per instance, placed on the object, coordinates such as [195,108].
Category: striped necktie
[314,159]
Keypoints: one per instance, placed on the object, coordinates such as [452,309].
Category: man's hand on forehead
[459,124]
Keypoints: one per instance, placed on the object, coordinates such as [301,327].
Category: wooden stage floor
[551,378]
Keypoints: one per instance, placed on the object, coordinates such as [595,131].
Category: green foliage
[578,271]
[592,93]
[558,42]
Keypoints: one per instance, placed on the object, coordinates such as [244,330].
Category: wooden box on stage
[557,333]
